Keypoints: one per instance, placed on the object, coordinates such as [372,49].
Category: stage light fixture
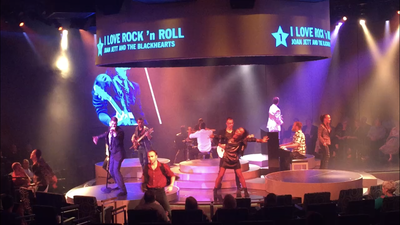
[64,40]
[60,28]
[362,22]
[398,12]
[21,24]
[339,24]
[344,18]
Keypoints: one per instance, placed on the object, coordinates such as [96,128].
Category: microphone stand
[106,189]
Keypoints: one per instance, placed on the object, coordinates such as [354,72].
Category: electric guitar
[220,152]
[124,117]
[135,143]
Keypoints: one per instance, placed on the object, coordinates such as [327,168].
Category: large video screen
[114,94]
[273,31]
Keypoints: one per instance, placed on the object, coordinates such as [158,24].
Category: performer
[144,145]
[222,137]
[197,126]
[298,146]
[43,174]
[391,147]
[115,148]
[324,140]
[298,143]
[155,178]
[203,139]
[233,149]
[275,119]
[180,144]
[191,144]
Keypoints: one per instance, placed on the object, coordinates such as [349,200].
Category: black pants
[325,155]
[161,198]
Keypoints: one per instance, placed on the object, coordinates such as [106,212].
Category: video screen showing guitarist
[141,141]
[115,95]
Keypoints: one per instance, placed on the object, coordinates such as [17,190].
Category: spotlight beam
[152,94]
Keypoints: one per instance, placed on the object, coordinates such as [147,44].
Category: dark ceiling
[81,13]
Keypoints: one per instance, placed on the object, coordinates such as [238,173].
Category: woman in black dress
[234,148]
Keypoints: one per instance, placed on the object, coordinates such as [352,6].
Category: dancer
[324,140]
[234,148]
[223,136]
[391,147]
[115,148]
[275,119]
[43,174]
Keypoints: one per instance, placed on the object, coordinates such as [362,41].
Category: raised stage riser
[206,166]
[255,183]
[253,172]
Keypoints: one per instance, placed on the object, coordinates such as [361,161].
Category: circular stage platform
[131,200]
[299,182]
[133,189]
[131,170]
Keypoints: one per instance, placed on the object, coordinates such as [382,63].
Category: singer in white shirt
[275,119]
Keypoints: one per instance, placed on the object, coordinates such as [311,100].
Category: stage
[197,177]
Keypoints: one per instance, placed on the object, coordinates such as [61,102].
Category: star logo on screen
[99,48]
[280,37]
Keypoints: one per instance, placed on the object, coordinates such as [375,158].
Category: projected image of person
[234,148]
[115,95]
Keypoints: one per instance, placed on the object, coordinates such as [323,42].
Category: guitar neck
[106,96]
[141,137]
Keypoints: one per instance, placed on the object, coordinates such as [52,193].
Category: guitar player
[144,145]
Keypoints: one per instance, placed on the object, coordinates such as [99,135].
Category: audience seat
[284,200]
[258,222]
[360,219]
[138,216]
[88,208]
[298,221]
[186,216]
[390,218]
[361,207]
[243,203]
[315,198]
[327,210]
[374,192]
[48,215]
[348,195]
[231,215]
[390,204]
[279,213]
